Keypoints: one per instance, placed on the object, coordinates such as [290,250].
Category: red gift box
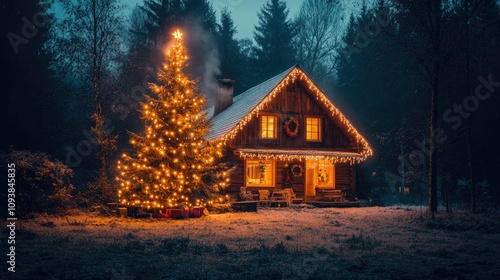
[178,213]
[196,212]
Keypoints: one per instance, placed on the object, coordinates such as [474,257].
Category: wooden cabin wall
[295,102]
[345,179]
[237,178]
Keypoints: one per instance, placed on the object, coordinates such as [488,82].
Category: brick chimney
[224,95]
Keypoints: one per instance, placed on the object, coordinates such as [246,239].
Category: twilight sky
[243,12]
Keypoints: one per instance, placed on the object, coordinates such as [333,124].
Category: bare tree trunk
[468,136]
[432,191]
[100,133]
[91,30]
[445,192]
[436,36]
[472,183]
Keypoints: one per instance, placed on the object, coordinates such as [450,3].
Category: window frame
[275,127]
[273,174]
[320,128]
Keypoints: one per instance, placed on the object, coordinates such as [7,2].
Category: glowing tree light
[172,164]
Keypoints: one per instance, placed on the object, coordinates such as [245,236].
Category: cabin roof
[242,105]
[247,105]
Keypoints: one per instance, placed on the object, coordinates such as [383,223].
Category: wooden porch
[331,198]
[322,203]
[317,203]
[326,197]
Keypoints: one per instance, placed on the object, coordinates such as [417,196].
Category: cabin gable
[294,101]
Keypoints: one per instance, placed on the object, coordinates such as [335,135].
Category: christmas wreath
[288,130]
[297,170]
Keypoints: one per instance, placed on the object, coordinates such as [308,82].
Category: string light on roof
[295,74]
[291,155]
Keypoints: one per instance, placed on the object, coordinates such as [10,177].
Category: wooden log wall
[345,179]
[295,102]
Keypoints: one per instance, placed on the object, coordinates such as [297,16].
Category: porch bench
[330,194]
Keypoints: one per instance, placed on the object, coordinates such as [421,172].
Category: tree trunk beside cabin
[435,20]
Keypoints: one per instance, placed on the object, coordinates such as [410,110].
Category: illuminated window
[268,127]
[313,129]
[259,173]
[320,173]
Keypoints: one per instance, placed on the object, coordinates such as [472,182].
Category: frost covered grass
[287,243]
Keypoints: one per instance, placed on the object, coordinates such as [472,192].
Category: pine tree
[230,51]
[161,15]
[203,11]
[172,160]
[274,37]
[228,46]
[34,104]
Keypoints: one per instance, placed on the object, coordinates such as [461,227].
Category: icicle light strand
[295,74]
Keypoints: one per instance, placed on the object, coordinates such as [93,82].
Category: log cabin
[286,133]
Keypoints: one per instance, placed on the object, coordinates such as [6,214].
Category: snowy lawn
[281,243]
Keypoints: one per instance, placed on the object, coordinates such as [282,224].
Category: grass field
[281,243]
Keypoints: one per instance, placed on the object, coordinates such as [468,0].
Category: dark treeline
[72,84]
[400,53]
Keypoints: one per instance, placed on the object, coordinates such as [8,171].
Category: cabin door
[319,174]
[309,183]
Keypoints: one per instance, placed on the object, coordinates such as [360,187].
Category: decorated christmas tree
[172,164]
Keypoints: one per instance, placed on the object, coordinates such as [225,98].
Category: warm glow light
[168,164]
[177,34]
[298,74]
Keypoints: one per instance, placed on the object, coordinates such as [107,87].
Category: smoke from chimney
[224,95]
[204,57]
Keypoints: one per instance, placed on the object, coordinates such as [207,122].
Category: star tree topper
[177,34]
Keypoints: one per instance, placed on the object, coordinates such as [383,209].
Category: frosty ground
[281,243]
